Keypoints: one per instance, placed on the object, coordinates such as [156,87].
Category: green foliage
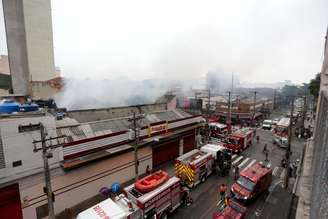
[291,90]
[314,85]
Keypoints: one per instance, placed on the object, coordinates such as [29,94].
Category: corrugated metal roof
[103,127]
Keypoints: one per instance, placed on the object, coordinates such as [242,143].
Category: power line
[136,129]
[46,154]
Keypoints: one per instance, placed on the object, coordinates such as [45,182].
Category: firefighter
[226,201]
[222,190]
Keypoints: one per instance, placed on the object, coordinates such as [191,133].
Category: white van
[267,124]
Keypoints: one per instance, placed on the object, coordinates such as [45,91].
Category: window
[28,128]
[17,163]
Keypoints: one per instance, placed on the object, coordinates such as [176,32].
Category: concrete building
[98,153]
[29,41]
[243,110]
[311,185]
[17,158]
[38,89]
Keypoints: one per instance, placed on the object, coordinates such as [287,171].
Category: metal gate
[10,205]
[165,152]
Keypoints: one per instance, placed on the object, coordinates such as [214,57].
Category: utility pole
[254,108]
[207,128]
[232,82]
[46,154]
[274,99]
[290,128]
[135,128]
[229,113]
[304,109]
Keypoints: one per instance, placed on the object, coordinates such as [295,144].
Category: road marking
[282,175]
[250,164]
[243,163]
[234,156]
[219,203]
[238,159]
[275,171]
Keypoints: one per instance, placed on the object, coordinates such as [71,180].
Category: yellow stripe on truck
[181,169]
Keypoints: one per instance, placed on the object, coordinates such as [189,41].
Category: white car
[282,142]
[267,124]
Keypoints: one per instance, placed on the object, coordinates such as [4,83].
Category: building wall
[83,183]
[19,147]
[4,65]
[116,112]
[16,44]
[3,92]
[324,70]
[38,29]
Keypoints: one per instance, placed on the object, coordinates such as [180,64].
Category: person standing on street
[266,156]
[265,148]
[258,139]
[236,172]
[222,190]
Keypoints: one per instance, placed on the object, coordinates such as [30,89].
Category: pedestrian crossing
[245,162]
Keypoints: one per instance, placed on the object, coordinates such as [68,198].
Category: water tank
[8,106]
[28,107]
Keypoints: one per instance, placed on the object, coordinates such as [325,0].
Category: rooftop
[78,131]
[255,172]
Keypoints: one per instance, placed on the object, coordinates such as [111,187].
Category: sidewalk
[277,204]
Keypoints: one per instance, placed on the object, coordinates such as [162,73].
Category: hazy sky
[262,40]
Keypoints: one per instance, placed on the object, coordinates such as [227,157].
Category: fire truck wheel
[203,179]
[164,215]
[190,185]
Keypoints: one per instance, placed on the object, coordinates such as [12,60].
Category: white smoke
[95,93]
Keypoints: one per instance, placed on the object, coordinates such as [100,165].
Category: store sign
[157,128]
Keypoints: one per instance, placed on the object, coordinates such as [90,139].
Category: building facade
[17,158]
[29,41]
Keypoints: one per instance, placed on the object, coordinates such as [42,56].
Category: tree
[291,90]
[314,85]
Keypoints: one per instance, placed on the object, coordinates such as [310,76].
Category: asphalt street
[205,196]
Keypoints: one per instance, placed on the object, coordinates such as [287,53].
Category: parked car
[267,124]
[281,142]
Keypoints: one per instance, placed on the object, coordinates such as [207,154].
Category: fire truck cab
[218,130]
[194,167]
[252,182]
[239,140]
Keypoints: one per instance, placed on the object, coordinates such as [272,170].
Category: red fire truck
[233,210]
[281,129]
[218,130]
[134,204]
[194,167]
[239,140]
[252,182]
